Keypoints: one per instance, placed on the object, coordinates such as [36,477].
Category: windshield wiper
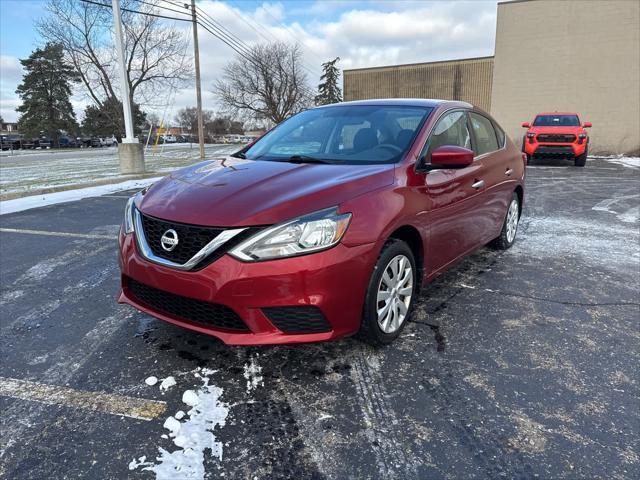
[308,159]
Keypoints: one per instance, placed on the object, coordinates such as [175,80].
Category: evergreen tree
[45,92]
[108,119]
[328,89]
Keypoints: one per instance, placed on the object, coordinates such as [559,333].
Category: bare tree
[155,53]
[268,83]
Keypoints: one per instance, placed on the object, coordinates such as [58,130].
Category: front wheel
[581,160]
[510,226]
[390,295]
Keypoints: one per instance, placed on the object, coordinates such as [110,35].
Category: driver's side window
[451,129]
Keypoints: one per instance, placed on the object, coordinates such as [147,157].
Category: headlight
[311,233]
[128,215]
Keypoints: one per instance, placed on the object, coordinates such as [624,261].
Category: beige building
[564,55]
[579,56]
[468,80]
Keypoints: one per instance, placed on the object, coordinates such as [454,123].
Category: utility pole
[196,55]
[129,151]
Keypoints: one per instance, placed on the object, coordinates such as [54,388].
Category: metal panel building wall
[579,55]
[468,80]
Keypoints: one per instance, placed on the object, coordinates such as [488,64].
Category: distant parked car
[11,142]
[30,143]
[558,135]
[169,138]
[66,141]
[45,142]
[108,141]
[87,141]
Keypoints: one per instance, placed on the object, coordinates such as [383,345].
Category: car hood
[235,192]
[556,130]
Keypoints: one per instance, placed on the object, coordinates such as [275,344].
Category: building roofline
[506,2]
[418,63]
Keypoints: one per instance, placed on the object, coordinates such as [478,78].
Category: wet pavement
[517,364]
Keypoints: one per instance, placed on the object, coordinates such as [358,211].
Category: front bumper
[334,281]
[557,150]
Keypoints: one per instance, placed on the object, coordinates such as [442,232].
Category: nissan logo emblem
[169,240]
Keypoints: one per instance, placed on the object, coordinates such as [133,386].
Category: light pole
[196,54]
[129,151]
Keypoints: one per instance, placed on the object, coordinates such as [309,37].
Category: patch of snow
[629,215]
[151,381]
[35,201]
[179,414]
[192,436]
[167,383]
[253,375]
[629,162]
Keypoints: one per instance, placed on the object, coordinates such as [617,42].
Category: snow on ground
[193,435]
[26,203]
[37,169]
[629,162]
[253,375]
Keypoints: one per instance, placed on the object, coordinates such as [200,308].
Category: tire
[508,233]
[371,329]
[581,160]
[523,151]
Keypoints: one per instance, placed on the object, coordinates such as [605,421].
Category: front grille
[197,311]
[304,319]
[556,151]
[556,138]
[191,239]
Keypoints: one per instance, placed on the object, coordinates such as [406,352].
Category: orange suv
[557,135]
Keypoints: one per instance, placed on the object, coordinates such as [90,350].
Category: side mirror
[451,156]
[526,125]
[586,125]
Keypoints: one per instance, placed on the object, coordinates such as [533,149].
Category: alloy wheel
[394,294]
[512,220]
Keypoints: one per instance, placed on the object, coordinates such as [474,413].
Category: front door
[454,195]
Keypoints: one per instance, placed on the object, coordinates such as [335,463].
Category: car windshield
[556,121]
[349,134]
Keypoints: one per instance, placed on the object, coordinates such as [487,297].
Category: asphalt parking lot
[522,364]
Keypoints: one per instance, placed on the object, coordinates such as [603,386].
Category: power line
[136,11]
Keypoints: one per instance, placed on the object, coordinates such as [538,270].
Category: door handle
[478,184]
[508,172]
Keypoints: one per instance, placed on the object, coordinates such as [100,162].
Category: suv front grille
[556,138]
[298,319]
[197,311]
[191,239]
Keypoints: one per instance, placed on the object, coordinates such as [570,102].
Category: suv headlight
[311,233]
[128,215]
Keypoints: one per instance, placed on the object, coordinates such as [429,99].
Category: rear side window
[500,134]
[485,135]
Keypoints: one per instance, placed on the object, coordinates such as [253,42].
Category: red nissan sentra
[327,226]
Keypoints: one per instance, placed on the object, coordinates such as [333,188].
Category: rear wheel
[581,160]
[510,226]
[390,295]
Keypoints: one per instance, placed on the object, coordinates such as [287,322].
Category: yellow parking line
[132,407]
[58,234]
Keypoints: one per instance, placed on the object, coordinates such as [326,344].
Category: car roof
[407,102]
[556,113]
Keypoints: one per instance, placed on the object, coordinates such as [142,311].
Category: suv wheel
[510,226]
[581,160]
[390,295]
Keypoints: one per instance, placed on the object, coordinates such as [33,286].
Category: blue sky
[362,33]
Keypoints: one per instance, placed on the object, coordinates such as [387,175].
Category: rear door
[454,194]
[498,174]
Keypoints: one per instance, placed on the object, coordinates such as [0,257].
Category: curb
[76,186]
